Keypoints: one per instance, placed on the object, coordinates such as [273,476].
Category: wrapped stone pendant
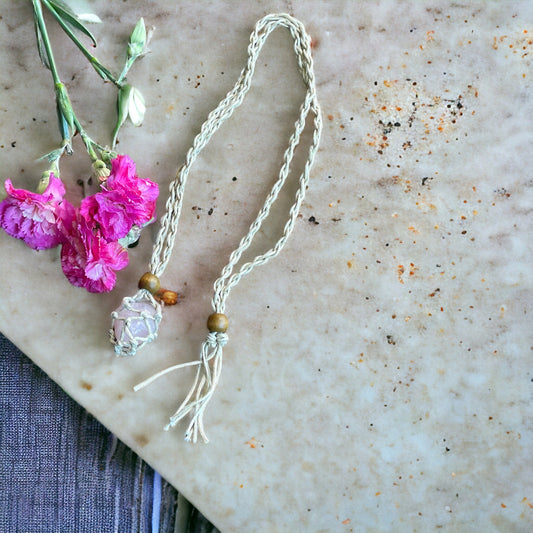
[135,322]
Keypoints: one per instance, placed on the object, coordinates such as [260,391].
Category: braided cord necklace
[136,321]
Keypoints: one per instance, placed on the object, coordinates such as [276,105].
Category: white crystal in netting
[135,323]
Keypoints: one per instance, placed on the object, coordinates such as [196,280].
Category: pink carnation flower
[32,217]
[88,259]
[140,194]
[109,210]
[90,254]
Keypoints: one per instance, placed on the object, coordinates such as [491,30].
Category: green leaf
[102,71]
[69,16]
[64,106]
[40,43]
[54,155]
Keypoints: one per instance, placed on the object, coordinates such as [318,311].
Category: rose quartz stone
[135,323]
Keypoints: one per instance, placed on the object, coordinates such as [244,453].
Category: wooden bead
[149,282]
[217,322]
[167,297]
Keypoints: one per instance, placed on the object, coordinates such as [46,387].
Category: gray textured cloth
[62,471]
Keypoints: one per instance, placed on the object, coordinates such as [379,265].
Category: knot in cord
[216,338]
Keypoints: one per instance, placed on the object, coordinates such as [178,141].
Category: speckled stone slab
[378,374]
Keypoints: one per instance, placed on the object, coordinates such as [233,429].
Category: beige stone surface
[378,373]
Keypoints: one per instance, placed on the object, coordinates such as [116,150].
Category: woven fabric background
[61,471]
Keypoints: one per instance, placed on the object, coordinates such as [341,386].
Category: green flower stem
[92,147]
[102,71]
[66,115]
[42,28]
[127,66]
[62,101]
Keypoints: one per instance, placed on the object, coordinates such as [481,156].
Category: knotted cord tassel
[206,380]
[203,388]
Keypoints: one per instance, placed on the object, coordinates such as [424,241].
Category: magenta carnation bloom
[108,209]
[140,194]
[88,259]
[123,167]
[34,217]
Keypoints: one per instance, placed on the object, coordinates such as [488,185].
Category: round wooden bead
[150,282]
[217,322]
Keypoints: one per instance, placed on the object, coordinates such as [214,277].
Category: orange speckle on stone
[330,117]
[400,270]
[378,493]
[85,385]
[346,522]
[503,505]
[349,264]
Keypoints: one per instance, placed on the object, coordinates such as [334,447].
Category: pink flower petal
[89,260]
[140,193]
[108,210]
[34,217]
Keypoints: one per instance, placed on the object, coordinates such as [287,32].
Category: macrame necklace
[136,321]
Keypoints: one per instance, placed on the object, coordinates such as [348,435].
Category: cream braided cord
[169,224]
[210,362]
